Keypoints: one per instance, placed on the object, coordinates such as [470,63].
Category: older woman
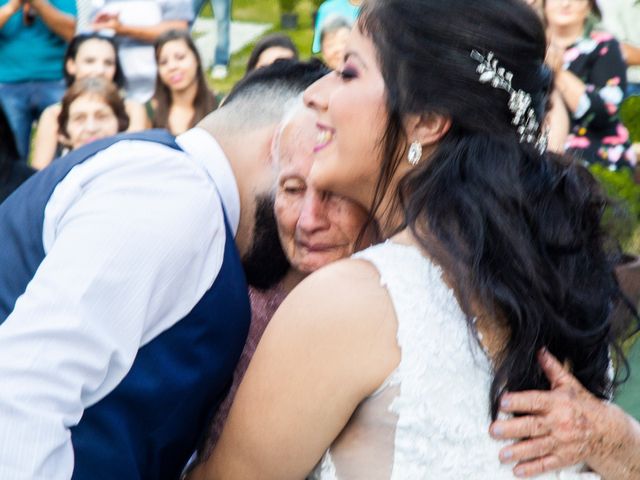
[91,109]
[89,55]
[315,229]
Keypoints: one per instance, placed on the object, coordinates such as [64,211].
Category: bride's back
[430,418]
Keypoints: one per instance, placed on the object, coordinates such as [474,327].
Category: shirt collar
[201,145]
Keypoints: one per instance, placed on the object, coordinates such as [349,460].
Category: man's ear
[427,129]
[274,146]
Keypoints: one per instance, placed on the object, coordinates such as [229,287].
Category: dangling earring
[415,153]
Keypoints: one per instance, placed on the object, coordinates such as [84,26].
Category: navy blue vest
[149,425]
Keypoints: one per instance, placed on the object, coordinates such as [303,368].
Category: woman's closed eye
[293,187]
[347,73]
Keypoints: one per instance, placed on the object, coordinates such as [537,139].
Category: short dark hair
[267,42]
[95,86]
[72,51]
[283,75]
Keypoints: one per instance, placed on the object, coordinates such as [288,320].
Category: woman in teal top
[33,39]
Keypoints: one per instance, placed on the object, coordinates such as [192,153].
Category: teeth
[324,136]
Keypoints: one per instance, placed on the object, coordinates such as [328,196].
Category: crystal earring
[415,153]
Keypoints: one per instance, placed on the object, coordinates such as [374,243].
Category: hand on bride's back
[564,426]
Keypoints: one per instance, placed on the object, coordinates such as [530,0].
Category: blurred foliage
[622,215]
[288,6]
[264,11]
[630,116]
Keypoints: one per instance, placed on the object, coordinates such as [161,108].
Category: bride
[391,365]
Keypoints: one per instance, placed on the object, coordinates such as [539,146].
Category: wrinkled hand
[557,429]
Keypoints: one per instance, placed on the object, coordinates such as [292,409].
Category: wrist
[10,8]
[37,4]
[612,431]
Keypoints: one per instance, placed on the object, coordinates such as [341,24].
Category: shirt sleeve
[177,10]
[134,250]
[605,86]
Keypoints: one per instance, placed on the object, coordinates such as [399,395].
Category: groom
[123,304]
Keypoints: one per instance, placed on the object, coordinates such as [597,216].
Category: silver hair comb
[524,116]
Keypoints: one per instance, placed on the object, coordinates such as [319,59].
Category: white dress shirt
[133,238]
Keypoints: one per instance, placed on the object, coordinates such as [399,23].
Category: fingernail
[519,472]
[506,454]
[504,402]
[497,431]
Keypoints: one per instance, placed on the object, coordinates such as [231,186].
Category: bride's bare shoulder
[350,284]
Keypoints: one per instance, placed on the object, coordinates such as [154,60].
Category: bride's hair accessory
[415,153]
[524,116]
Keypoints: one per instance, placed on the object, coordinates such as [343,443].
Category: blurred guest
[333,41]
[88,55]
[348,9]
[182,97]
[590,75]
[222,12]
[12,172]
[33,36]
[137,25]
[270,48]
[91,109]
[621,18]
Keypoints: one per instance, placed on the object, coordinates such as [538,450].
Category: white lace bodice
[430,418]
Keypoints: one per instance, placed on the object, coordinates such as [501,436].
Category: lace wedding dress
[430,418]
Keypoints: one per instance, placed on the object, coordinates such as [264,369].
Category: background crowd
[73,72]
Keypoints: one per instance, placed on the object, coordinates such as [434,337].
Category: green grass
[263,11]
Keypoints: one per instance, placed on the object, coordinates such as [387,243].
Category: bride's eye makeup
[347,73]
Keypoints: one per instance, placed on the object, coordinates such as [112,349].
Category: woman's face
[177,65]
[272,54]
[315,227]
[351,120]
[566,13]
[333,46]
[95,58]
[90,118]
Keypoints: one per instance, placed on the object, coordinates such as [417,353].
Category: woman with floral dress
[591,78]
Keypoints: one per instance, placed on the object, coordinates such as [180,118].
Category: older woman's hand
[565,426]
[558,426]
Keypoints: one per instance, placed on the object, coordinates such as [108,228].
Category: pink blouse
[264,304]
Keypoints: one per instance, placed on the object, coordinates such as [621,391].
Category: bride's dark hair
[518,233]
